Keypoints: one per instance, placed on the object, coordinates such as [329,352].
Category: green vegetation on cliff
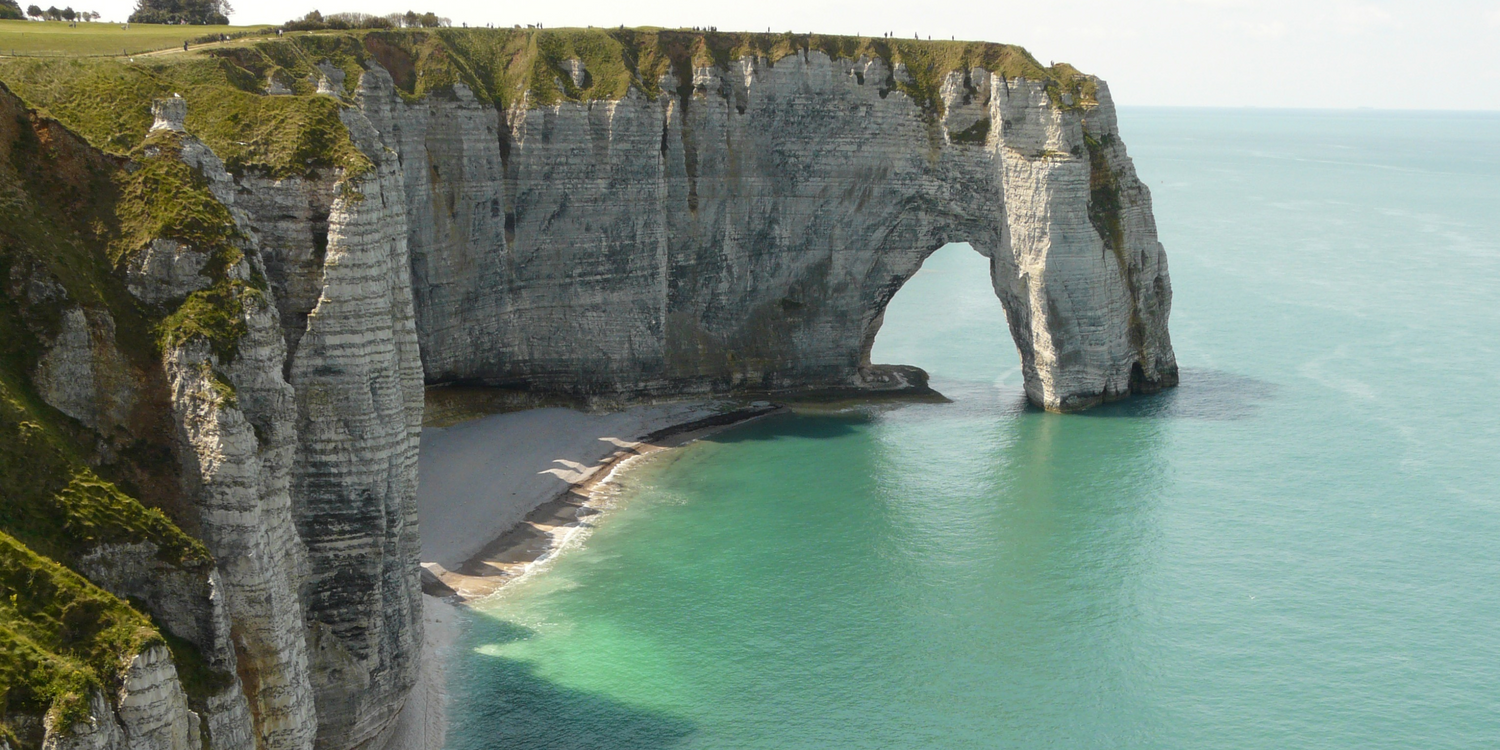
[70,214]
[60,636]
[108,102]
[509,66]
[162,198]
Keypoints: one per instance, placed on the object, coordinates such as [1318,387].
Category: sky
[1435,54]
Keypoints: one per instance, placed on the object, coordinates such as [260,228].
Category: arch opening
[946,320]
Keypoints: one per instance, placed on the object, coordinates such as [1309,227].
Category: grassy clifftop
[507,63]
[507,66]
[103,39]
[107,100]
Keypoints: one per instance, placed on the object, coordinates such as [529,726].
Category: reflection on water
[1202,394]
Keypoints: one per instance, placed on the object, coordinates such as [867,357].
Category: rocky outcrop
[247,524]
[324,587]
[237,437]
[150,712]
[153,708]
[747,233]
[358,380]
[189,603]
[101,732]
[82,374]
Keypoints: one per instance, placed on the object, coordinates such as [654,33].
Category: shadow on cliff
[1202,394]
[506,706]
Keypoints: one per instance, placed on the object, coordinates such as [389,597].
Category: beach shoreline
[549,526]
[544,530]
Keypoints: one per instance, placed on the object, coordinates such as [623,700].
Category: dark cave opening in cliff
[947,320]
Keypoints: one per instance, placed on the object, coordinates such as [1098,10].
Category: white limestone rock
[65,374]
[169,114]
[152,707]
[102,731]
[331,78]
[165,270]
[749,236]
[82,372]
[275,86]
[576,72]
[241,493]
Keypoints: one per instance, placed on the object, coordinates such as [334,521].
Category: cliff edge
[229,275]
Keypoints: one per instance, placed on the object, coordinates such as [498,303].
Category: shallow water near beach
[1296,548]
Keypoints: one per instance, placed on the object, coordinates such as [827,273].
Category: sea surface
[1297,548]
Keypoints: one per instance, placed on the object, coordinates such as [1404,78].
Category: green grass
[108,102]
[70,214]
[57,38]
[60,636]
[503,65]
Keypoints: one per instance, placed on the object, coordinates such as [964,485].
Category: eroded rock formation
[716,226]
[748,236]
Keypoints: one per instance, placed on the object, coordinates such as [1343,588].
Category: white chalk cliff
[739,232]
[748,236]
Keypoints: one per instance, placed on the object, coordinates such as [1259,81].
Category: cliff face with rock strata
[748,236]
[622,215]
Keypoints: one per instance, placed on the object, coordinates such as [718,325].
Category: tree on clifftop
[182,11]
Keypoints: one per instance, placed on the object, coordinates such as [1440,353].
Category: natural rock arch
[747,236]
[742,236]
[739,229]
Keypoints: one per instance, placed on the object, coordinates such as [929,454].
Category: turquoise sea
[1297,548]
